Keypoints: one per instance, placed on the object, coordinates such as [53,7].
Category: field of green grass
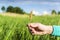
[15,28]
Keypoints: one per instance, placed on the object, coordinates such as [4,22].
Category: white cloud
[45,12]
[36,12]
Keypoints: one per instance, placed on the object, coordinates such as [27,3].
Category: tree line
[20,11]
[54,12]
[12,9]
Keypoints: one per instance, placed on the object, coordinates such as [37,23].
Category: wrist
[50,29]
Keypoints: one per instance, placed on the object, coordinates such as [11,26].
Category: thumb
[32,25]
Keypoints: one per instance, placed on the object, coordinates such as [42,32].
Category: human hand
[39,29]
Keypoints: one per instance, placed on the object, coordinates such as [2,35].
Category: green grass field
[14,28]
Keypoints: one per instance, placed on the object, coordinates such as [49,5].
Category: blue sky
[37,5]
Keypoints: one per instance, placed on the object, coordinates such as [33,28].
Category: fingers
[37,29]
[34,32]
[38,33]
[34,29]
[31,30]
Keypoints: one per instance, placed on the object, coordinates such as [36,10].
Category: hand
[39,29]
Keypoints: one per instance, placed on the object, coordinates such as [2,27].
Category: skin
[39,29]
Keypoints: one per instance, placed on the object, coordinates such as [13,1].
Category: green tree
[58,12]
[3,8]
[18,10]
[9,9]
[54,12]
[15,10]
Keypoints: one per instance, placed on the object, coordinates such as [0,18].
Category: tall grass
[14,28]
